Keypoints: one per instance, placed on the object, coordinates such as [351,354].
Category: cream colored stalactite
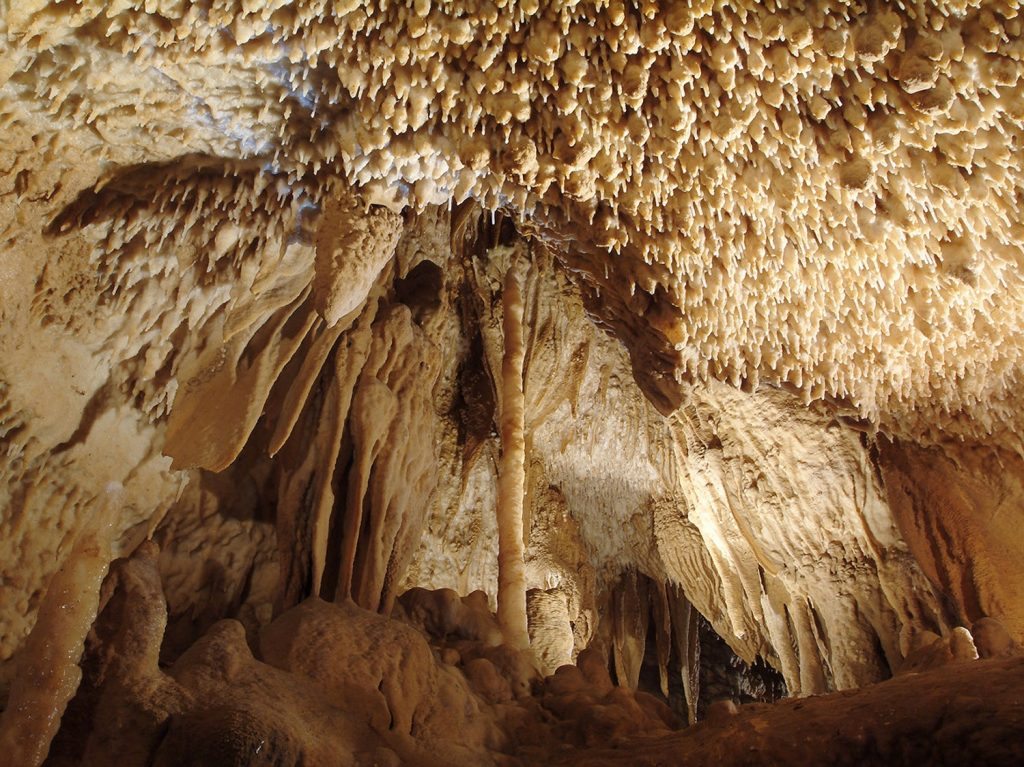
[48,671]
[687,641]
[773,607]
[629,615]
[374,408]
[336,406]
[706,496]
[393,475]
[218,405]
[662,613]
[352,249]
[788,514]
[512,471]
[349,359]
[310,444]
[812,675]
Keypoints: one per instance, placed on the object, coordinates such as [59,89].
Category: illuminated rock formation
[335,323]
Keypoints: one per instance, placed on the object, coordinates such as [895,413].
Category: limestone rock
[641,319]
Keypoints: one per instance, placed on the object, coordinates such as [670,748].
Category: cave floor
[962,714]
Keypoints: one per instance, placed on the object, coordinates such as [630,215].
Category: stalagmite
[511,469]
[48,673]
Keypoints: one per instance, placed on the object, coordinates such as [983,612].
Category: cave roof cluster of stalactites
[262,269]
[824,196]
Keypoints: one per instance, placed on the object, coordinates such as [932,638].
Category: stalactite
[227,388]
[511,472]
[812,675]
[687,640]
[374,407]
[662,632]
[349,358]
[630,616]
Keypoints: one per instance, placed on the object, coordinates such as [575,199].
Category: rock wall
[959,509]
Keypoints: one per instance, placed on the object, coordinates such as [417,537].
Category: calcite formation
[499,383]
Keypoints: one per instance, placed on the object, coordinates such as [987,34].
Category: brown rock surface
[970,714]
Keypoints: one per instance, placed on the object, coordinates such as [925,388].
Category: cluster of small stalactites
[174,247]
[834,188]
